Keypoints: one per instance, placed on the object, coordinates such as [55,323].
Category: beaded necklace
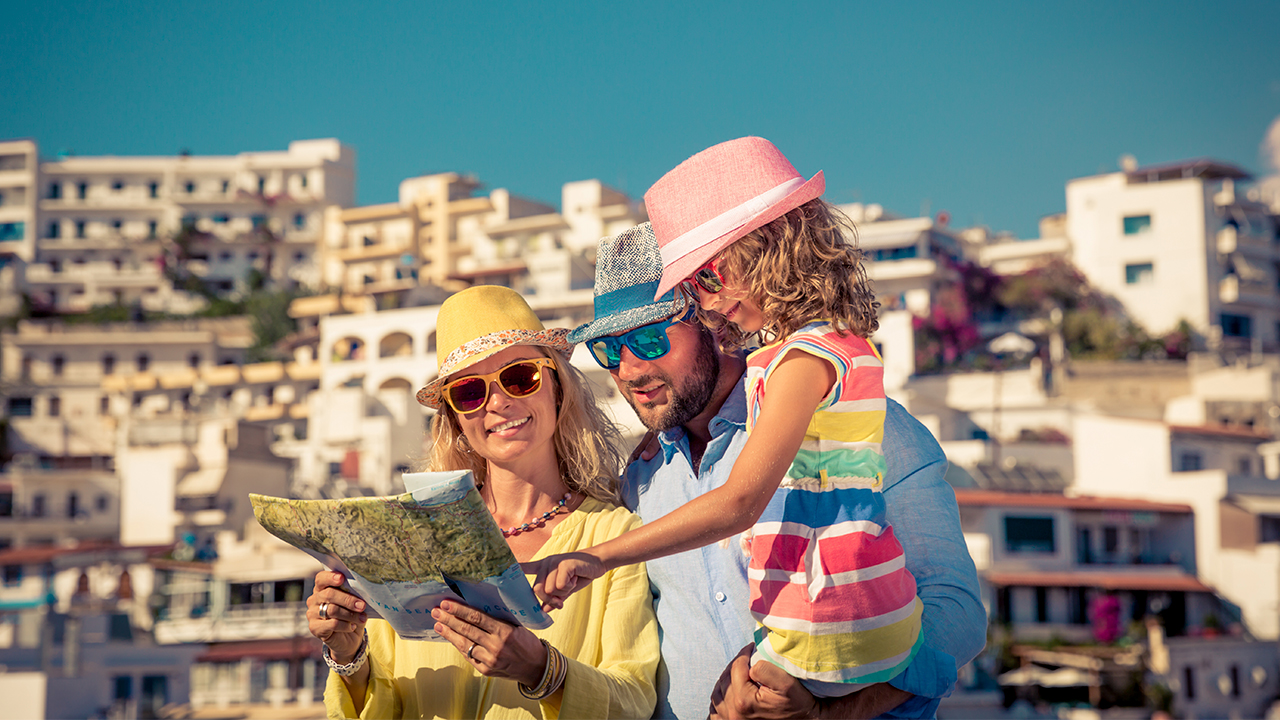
[540,520]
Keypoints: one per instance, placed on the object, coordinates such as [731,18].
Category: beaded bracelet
[552,677]
[356,663]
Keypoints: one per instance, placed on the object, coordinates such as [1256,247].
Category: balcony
[236,623]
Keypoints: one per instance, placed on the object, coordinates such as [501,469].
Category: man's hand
[763,691]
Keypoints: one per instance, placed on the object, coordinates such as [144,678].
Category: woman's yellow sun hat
[480,321]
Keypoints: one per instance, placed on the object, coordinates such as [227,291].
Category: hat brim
[682,268]
[473,352]
[623,321]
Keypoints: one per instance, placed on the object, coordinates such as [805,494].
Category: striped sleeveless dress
[835,604]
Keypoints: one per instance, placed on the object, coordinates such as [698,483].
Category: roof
[1222,431]
[84,554]
[985,498]
[1125,578]
[280,649]
[1206,168]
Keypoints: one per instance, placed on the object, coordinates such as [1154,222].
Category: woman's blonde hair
[586,440]
[802,267]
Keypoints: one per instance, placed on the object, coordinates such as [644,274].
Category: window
[116,225]
[55,191]
[55,266]
[151,229]
[1244,466]
[226,186]
[1236,325]
[1110,539]
[12,575]
[12,231]
[20,407]
[54,230]
[190,187]
[37,505]
[73,504]
[1189,682]
[104,405]
[1139,274]
[57,364]
[55,406]
[1190,461]
[194,360]
[80,229]
[1042,604]
[259,221]
[117,263]
[1137,224]
[221,218]
[117,185]
[102,503]
[252,256]
[1029,534]
[123,687]
[262,185]
[224,256]
[82,190]
[153,189]
[144,361]
[108,364]
[189,222]
[299,221]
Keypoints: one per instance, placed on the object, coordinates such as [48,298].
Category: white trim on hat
[726,222]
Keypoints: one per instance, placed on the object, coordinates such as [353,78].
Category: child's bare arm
[796,386]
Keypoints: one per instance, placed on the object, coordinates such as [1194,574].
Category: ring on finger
[323,611]
[469,651]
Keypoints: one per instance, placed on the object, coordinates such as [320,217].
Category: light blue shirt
[701,596]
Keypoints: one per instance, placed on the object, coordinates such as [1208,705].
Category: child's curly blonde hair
[802,267]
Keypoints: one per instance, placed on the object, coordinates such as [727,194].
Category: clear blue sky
[981,109]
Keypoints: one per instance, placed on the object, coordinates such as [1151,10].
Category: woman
[541,453]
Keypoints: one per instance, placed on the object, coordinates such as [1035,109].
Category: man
[690,394]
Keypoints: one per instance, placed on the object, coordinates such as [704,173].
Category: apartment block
[113,229]
[1177,242]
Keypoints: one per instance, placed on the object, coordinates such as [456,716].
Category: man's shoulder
[908,445]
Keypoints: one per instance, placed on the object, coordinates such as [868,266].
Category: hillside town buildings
[131,446]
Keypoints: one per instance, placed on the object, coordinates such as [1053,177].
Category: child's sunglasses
[647,342]
[706,277]
[521,378]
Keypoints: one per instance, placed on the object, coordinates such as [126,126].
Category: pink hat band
[718,196]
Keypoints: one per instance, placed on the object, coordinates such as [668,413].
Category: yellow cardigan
[607,631]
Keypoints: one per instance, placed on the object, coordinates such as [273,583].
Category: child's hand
[647,448]
[559,576]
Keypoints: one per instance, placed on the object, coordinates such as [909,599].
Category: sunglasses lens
[468,395]
[521,379]
[605,353]
[649,342]
[709,279]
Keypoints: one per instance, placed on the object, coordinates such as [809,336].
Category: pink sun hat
[718,196]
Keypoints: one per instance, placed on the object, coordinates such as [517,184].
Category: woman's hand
[494,648]
[556,577]
[342,628]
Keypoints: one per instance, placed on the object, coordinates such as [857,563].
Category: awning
[284,649]
[1163,581]
[1062,677]
[1258,504]
[202,482]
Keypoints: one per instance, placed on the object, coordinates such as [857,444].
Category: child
[835,604]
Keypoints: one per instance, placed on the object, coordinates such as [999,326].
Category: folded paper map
[404,554]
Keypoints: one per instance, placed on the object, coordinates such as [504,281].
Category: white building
[94,228]
[1176,242]
[68,385]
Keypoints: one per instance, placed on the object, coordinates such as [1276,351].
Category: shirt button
[719,597]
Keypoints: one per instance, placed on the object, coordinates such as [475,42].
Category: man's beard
[690,397]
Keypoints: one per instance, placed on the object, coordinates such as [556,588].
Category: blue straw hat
[628,267]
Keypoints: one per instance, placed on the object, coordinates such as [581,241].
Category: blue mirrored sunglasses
[647,342]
